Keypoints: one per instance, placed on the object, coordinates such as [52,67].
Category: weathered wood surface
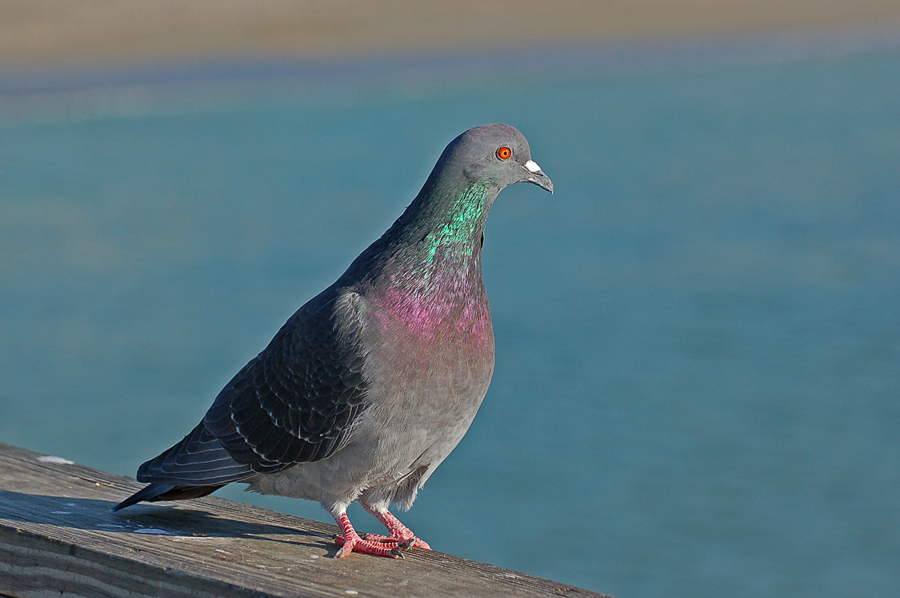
[58,537]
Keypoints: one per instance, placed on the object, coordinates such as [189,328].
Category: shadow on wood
[58,535]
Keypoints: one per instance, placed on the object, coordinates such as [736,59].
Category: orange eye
[504,153]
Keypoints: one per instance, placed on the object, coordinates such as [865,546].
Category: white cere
[532,166]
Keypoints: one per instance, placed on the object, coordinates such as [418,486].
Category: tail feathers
[157,492]
[198,460]
[195,467]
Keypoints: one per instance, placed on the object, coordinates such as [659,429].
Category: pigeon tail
[198,460]
[196,466]
[157,492]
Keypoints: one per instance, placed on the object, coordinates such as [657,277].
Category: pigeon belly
[429,369]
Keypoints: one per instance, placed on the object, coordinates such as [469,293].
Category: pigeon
[371,384]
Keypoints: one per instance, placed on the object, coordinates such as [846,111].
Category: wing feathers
[294,403]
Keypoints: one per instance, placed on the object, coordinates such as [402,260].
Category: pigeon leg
[400,535]
[352,542]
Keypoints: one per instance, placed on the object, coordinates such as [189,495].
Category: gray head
[450,211]
[495,153]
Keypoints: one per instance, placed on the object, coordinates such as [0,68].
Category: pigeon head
[496,154]
[442,230]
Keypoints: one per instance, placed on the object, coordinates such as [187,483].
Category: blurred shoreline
[55,34]
[53,92]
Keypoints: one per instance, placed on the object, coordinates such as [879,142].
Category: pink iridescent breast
[428,318]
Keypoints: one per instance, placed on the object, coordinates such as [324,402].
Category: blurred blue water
[698,336]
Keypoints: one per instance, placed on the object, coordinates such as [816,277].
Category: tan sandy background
[71,32]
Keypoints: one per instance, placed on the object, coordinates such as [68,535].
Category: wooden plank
[58,537]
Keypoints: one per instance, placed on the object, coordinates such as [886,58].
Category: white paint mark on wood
[153,531]
[57,460]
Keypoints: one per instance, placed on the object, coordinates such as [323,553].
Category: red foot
[401,536]
[352,542]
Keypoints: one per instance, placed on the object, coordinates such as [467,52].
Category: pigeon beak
[537,176]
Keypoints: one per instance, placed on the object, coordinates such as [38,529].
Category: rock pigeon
[369,386]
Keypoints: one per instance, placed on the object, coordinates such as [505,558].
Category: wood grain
[59,537]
